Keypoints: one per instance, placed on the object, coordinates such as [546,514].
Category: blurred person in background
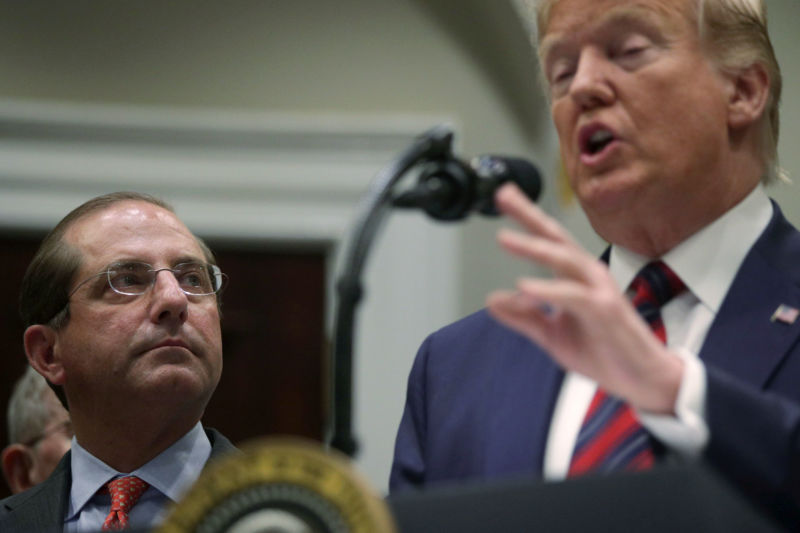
[39,432]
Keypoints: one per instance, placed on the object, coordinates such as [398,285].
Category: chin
[183,380]
[608,193]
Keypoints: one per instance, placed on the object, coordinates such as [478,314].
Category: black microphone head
[526,176]
[497,170]
[448,189]
[445,190]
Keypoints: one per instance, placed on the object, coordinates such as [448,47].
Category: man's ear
[17,464]
[40,347]
[749,92]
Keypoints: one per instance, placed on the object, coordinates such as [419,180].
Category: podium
[685,499]
[664,500]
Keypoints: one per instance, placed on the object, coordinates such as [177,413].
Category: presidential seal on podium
[280,485]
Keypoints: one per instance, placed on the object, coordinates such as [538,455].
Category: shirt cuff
[686,432]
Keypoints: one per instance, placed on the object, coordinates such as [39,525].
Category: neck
[123,445]
[651,227]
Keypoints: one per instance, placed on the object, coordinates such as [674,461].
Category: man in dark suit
[122,317]
[667,114]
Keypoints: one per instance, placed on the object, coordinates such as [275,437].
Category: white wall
[783,18]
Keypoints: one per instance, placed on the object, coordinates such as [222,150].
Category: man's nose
[169,300]
[591,85]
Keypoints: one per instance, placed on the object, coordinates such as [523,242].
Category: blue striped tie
[611,438]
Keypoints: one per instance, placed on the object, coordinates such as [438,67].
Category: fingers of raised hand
[564,260]
[513,203]
[574,297]
[525,314]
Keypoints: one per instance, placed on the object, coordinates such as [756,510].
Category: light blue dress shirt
[170,475]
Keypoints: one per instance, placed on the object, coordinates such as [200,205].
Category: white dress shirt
[170,475]
[707,262]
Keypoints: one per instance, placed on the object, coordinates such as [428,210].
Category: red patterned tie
[125,492]
[611,438]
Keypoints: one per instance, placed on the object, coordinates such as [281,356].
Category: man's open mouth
[598,141]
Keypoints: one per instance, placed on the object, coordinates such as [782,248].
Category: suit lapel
[528,378]
[220,445]
[743,340]
[53,506]
[545,399]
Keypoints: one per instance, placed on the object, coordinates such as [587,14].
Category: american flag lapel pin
[786,314]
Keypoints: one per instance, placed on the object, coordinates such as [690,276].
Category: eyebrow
[177,261]
[188,259]
[636,16]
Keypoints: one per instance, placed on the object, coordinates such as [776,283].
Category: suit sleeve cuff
[685,432]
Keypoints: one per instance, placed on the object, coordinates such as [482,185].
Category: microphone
[449,189]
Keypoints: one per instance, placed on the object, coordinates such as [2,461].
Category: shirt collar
[707,261]
[172,471]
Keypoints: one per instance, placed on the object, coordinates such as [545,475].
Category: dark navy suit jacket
[480,397]
[43,507]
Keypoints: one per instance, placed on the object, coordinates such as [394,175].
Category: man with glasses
[39,433]
[122,312]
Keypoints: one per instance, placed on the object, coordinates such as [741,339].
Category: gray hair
[735,35]
[28,408]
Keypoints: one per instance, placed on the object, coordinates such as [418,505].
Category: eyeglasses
[134,278]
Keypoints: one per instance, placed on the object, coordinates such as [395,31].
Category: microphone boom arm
[435,143]
[448,190]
